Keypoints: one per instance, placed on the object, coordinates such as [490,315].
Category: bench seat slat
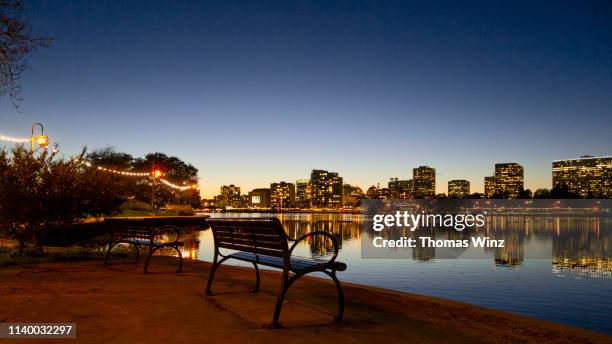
[252,249]
[245,229]
[144,242]
[250,236]
[297,263]
[275,245]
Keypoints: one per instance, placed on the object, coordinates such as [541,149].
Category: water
[558,269]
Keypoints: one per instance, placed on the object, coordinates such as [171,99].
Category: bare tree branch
[17,42]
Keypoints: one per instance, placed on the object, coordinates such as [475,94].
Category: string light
[14,139]
[136,174]
[174,186]
[124,173]
[155,174]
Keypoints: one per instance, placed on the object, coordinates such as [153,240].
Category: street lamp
[192,188]
[156,173]
[42,140]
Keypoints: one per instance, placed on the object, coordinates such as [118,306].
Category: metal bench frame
[233,234]
[143,236]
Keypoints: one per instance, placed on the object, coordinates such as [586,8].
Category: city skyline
[585,176]
[366,89]
[441,185]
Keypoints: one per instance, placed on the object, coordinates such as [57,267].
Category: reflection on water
[555,268]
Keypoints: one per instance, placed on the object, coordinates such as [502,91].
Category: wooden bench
[143,235]
[263,241]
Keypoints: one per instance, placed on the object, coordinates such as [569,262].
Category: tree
[541,194]
[110,158]
[476,195]
[17,42]
[525,194]
[561,191]
[175,170]
[39,192]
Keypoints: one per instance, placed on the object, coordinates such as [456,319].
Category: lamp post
[192,188]
[156,174]
[42,140]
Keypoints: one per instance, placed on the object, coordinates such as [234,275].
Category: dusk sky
[257,92]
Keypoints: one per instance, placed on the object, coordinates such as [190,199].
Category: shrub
[39,191]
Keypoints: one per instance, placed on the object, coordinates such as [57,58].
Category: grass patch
[12,257]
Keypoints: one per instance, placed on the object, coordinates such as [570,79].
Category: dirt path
[120,304]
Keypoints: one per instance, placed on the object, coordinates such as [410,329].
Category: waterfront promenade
[118,303]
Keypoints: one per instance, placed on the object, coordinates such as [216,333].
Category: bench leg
[146,266]
[285,283]
[110,247]
[257,280]
[340,316]
[137,253]
[212,273]
[180,259]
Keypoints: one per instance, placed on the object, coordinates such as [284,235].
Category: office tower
[459,188]
[302,193]
[326,189]
[508,180]
[259,198]
[400,188]
[424,179]
[282,195]
[587,177]
[230,196]
[489,186]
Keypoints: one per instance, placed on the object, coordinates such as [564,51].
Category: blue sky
[258,92]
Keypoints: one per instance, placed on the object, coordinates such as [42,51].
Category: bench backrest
[120,231]
[256,235]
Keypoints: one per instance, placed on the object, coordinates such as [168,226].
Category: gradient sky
[256,92]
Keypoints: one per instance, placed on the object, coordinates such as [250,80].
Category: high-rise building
[393,187]
[259,198]
[508,180]
[282,195]
[326,189]
[489,186]
[407,188]
[588,177]
[230,196]
[458,188]
[400,188]
[424,179]
[302,193]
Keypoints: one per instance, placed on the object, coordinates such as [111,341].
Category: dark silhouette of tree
[525,194]
[41,191]
[140,188]
[476,195]
[541,194]
[561,191]
[16,43]
[109,158]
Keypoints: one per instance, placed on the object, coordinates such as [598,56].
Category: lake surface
[553,268]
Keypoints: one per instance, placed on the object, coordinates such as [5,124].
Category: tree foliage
[175,170]
[41,191]
[17,41]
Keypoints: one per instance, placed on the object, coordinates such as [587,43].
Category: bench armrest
[311,234]
[166,228]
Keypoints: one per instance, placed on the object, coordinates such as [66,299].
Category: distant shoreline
[285,211]
[487,211]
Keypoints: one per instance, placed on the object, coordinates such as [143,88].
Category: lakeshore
[118,303]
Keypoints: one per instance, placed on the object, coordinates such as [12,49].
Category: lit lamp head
[42,141]
[193,186]
[157,173]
